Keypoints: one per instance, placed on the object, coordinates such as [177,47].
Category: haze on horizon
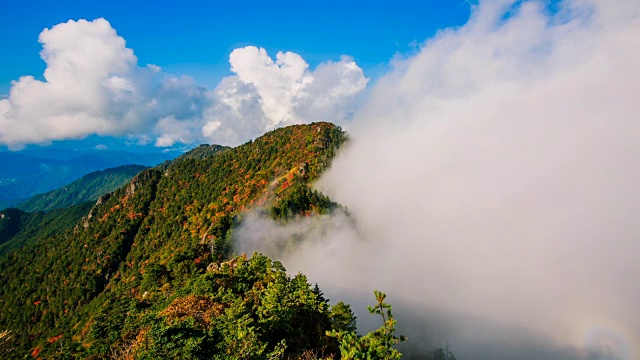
[491,177]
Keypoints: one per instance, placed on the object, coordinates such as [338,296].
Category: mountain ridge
[147,241]
[25,175]
[87,188]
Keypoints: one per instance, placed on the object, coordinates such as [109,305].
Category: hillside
[23,175]
[88,188]
[18,228]
[201,152]
[147,273]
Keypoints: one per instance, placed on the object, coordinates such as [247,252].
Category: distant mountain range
[88,188]
[24,174]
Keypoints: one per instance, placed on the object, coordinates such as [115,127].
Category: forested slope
[18,228]
[147,271]
[88,188]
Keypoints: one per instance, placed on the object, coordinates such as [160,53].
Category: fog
[492,188]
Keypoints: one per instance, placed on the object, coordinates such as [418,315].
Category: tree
[377,344]
[342,318]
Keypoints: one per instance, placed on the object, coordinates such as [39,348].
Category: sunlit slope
[146,241]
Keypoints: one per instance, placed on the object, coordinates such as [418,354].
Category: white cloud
[265,94]
[291,93]
[89,88]
[93,85]
[493,176]
[276,82]
[171,130]
[210,128]
[80,56]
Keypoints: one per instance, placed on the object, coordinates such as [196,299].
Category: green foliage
[100,287]
[11,221]
[201,152]
[47,283]
[247,309]
[300,200]
[377,344]
[88,188]
[19,228]
[342,318]
[146,272]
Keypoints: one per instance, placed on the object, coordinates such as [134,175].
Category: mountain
[20,165]
[150,271]
[88,188]
[23,175]
[9,203]
[106,159]
[201,152]
[17,167]
[18,228]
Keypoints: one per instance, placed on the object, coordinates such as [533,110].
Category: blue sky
[196,37]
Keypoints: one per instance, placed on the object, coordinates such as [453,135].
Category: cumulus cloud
[265,94]
[79,56]
[493,180]
[288,81]
[94,85]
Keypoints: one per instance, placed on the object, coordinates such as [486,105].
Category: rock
[131,189]
[213,267]
[103,199]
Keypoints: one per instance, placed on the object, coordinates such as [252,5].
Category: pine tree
[377,344]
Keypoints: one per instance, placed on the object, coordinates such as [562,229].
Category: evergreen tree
[375,345]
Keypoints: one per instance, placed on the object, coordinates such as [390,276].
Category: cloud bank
[493,179]
[94,85]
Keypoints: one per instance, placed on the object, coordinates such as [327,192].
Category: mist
[492,186]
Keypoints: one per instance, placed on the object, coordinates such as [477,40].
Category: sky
[195,39]
[500,140]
